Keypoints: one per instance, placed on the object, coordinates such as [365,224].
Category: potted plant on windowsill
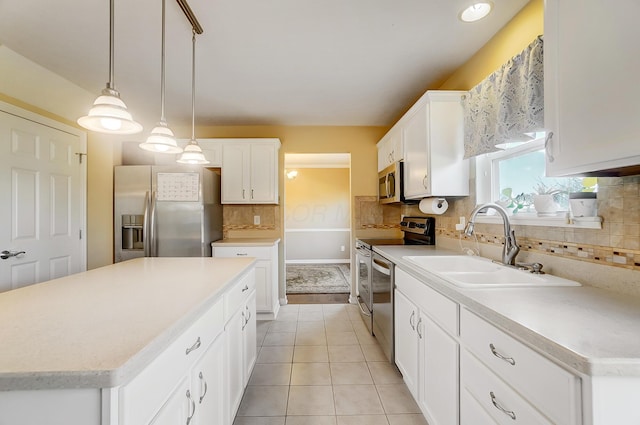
[584,203]
[512,203]
[544,200]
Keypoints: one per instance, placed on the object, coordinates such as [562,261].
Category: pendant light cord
[162,77]
[111,84]
[193,85]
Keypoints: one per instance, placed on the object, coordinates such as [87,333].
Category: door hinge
[80,155]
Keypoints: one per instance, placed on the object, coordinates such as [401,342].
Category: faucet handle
[535,268]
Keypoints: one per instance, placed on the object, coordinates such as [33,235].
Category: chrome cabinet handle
[251,193]
[509,413]
[246,288]
[547,147]
[9,254]
[495,352]
[241,254]
[248,314]
[194,347]
[202,381]
[243,193]
[424,181]
[418,328]
[413,315]
[244,321]
[193,407]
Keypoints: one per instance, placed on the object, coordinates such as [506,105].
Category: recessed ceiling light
[476,11]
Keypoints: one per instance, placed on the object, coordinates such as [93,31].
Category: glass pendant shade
[109,113]
[192,154]
[161,140]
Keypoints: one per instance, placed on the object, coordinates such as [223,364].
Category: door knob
[9,254]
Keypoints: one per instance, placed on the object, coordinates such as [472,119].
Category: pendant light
[161,138]
[109,113]
[192,153]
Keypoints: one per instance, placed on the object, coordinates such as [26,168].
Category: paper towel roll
[433,206]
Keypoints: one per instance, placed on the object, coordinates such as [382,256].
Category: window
[514,176]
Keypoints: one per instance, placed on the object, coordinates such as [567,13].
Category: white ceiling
[289,62]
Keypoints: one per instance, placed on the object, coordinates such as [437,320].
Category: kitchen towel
[434,206]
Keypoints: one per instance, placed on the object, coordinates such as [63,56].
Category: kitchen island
[573,353]
[86,341]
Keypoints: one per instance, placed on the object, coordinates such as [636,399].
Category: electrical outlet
[341,248]
[256,220]
[460,226]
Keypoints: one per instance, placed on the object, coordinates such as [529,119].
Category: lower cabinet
[426,354]
[241,353]
[175,410]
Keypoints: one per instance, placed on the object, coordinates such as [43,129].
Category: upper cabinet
[592,95]
[250,171]
[390,148]
[433,135]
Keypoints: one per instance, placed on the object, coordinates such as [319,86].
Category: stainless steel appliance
[390,184]
[165,211]
[375,278]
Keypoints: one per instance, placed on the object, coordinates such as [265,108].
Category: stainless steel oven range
[375,278]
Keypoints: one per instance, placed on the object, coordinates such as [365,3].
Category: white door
[42,208]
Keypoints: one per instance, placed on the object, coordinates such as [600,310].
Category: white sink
[478,272]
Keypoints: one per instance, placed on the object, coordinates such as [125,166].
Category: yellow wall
[508,42]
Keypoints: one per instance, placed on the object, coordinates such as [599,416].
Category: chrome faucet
[511,248]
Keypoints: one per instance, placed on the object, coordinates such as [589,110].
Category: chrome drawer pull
[509,413]
[418,328]
[193,407]
[244,321]
[509,360]
[204,392]
[246,288]
[248,315]
[413,314]
[194,347]
[241,254]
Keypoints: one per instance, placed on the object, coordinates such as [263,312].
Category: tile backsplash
[617,244]
[239,219]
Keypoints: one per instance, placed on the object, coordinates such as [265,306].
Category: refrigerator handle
[153,243]
[146,233]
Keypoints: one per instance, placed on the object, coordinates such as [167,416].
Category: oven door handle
[382,267]
[364,252]
[362,310]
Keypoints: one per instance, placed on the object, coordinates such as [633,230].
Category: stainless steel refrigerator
[165,211]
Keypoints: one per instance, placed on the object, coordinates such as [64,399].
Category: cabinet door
[264,290]
[212,150]
[406,339]
[235,363]
[438,365]
[178,407]
[235,173]
[417,179]
[207,383]
[592,95]
[250,348]
[264,174]
[471,412]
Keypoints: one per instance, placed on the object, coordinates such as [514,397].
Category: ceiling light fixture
[476,11]
[161,138]
[109,113]
[292,174]
[192,153]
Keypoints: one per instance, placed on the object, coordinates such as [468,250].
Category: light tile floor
[317,365]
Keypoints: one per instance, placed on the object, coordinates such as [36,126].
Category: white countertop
[590,330]
[99,328]
[246,242]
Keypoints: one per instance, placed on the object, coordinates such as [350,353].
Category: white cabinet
[241,352]
[592,95]
[178,407]
[207,384]
[390,148]
[250,171]
[426,348]
[496,363]
[267,300]
[433,133]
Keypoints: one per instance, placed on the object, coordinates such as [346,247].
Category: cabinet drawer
[239,293]
[440,308]
[142,397]
[495,397]
[547,386]
[262,253]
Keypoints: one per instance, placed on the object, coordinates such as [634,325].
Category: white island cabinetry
[151,348]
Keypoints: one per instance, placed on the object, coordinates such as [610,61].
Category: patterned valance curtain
[507,104]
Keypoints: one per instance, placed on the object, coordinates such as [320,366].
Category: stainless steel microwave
[390,184]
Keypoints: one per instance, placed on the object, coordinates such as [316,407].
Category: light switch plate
[256,220]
